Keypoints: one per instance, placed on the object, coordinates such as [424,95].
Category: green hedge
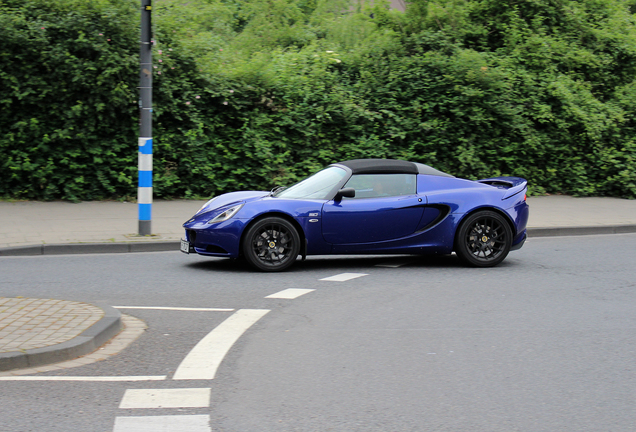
[536,89]
[67,99]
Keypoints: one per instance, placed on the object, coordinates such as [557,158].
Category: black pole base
[145,228]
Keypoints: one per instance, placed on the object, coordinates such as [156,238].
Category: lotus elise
[365,206]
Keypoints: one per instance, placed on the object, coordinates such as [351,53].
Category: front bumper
[220,240]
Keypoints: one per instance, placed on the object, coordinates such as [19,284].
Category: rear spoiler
[512,185]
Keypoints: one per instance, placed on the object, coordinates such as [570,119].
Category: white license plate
[185,246]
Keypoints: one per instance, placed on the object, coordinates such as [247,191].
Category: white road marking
[166,398]
[176,423]
[205,358]
[84,378]
[290,293]
[344,277]
[187,309]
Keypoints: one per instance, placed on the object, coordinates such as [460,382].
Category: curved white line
[204,359]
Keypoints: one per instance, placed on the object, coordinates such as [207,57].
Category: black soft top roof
[389,166]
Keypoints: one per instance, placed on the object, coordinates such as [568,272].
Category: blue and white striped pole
[144,190]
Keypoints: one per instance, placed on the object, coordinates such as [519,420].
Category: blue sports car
[365,206]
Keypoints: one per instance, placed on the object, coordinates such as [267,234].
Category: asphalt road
[544,342]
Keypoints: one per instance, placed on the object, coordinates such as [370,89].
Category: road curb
[88,341]
[90,248]
[163,246]
[582,230]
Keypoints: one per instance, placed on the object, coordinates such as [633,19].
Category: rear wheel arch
[511,224]
[483,237]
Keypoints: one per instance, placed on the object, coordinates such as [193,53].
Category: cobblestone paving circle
[27,323]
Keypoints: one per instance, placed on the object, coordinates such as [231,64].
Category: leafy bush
[67,99]
[252,94]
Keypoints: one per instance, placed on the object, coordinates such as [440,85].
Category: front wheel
[271,244]
[483,239]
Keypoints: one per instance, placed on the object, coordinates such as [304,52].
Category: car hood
[231,198]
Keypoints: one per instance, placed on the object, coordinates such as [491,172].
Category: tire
[271,244]
[483,239]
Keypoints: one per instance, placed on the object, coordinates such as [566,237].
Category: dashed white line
[166,398]
[176,423]
[344,277]
[290,293]
[205,358]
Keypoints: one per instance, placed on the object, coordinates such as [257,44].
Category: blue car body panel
[423,222]
[370,220]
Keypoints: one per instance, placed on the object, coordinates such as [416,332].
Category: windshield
[318,186]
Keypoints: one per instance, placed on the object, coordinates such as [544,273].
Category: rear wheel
[483,239]
[271,244]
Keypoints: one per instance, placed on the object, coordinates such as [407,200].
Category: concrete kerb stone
[581,230]
[21,251]
[90,248]
[88,341]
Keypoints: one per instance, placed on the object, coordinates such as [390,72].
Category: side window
[382,185]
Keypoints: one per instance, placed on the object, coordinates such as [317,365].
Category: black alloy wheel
[483,239]
[271,244]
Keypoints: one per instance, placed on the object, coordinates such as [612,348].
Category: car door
[386,207]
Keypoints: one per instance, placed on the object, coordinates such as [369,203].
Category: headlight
[226,214]
[205,205]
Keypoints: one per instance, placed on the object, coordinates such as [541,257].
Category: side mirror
[346,192]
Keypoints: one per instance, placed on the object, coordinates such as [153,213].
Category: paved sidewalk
[102,222]
[559,215]
[39,331]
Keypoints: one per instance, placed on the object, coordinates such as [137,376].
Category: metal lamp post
[144,190]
